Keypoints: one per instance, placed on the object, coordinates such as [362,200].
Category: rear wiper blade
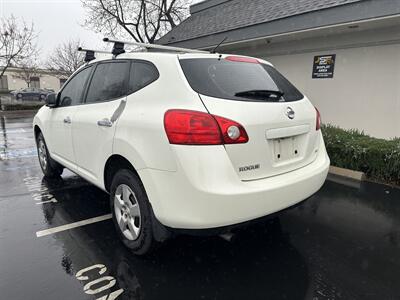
[261,94]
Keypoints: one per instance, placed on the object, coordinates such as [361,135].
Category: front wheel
[50,168]
[131,212]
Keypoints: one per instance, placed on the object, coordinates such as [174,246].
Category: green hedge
[8,107]
[379,159]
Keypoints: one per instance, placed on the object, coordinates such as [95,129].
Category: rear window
[241,81]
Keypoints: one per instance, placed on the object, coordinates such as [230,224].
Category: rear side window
[241,81]
[109,82]
[142,74]
[72,93]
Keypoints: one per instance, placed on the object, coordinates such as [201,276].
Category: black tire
[144,241]
[19,96]
[50,168]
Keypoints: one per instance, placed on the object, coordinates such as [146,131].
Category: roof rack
[119,46]
[90,53]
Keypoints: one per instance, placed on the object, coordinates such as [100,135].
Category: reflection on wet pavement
[343,243]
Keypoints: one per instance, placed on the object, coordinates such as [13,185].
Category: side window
[142,74]
[109,82]
[72,94]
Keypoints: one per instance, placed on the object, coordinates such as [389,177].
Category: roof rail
[90,53]
[118,45]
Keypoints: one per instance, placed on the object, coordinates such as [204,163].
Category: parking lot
[343,243]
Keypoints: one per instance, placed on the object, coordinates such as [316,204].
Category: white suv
[184,141]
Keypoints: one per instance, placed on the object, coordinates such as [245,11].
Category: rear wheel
[131,212]
[50,167]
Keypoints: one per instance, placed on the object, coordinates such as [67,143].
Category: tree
[28,70]
[143,20]
[66,58]
[17,42]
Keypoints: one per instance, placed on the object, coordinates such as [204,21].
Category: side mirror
[51,100]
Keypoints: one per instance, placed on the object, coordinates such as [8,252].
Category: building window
[3,83]
[35,82]
[62,82]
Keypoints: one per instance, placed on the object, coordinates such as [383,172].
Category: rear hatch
[279,120]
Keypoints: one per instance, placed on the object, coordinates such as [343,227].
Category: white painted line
[72,225]
[48,201]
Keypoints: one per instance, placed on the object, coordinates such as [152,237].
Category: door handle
[105,123]
[67,120]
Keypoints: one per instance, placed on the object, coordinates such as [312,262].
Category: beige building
[359,87]
[13,79]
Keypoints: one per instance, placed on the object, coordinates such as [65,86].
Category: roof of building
[241,19]
[214,16]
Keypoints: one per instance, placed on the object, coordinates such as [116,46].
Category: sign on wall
[324,66]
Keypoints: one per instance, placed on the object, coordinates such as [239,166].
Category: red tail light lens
[187,127]
[318,125]
[242,59]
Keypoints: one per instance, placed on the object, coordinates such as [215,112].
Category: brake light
[187,127]
[318,125]
[242,59]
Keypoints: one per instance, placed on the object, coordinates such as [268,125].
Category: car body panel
[93,143]
[211,195]
[261,150]
[140,135]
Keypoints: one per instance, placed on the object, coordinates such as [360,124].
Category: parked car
[192,142]
[31,93]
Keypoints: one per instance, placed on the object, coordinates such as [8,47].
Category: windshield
[221,78]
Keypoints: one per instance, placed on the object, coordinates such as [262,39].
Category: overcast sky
[54,20]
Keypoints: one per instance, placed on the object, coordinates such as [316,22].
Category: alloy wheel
[42,154]
[127,212]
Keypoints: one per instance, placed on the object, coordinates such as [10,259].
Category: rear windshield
[241,81]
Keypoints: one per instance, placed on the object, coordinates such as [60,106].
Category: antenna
[90,54]
[151,46]
[215,49]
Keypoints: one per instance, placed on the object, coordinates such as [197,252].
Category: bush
[8,107]
[379,159]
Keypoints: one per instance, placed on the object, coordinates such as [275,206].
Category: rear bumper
[206,193]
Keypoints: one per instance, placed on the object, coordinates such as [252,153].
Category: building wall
[46,81]
[365,90]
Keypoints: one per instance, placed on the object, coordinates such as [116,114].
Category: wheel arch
[115,163]
[36,131]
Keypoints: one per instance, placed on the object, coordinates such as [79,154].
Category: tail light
[318,125]
[187,127]
[232,132]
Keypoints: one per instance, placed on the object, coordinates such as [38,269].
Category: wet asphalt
[343,243]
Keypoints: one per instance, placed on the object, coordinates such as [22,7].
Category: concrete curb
[355,175]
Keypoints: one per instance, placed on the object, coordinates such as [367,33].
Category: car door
[95,121]
[59,127]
